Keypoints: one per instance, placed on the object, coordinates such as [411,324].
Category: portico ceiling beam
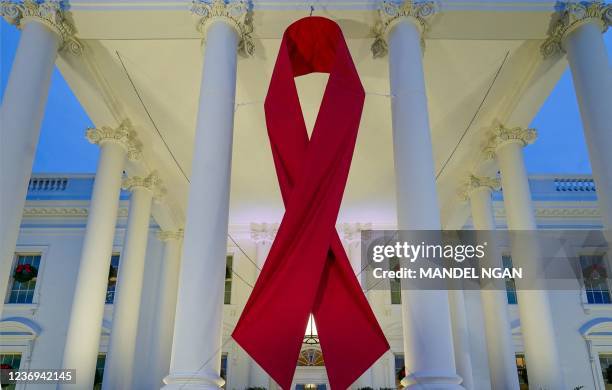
[167,20]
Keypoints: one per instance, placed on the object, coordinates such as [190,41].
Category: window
[521,368]
[595,277]
[510,283]
[99,371]
[605,360]
[23,292]
[112,279]
[395,283]
[400,370]
[227,299]
[14,361]
[224,369]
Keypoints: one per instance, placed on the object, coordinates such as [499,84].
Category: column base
[193,381]
[431,380]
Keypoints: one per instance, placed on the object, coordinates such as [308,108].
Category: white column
[85,324]
[351,238]
[166,306]
[461,338]
[263,234]
[428,343]
[578,31]
[44,32]
[196,353]
[500,347]
[537,324]
[126,309]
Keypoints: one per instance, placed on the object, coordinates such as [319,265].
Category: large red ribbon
[307,270]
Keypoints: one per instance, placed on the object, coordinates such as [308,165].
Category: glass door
[310,386]
[605,360]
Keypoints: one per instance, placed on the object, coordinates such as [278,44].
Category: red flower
[27,268]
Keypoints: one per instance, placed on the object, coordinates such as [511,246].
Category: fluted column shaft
[428,343]
[165,307]
[196,354]
[537,324]
[21,114]
[126,309]
[351,238]
[263,235]
[85,324]
[500,348]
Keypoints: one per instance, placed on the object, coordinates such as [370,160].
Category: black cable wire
[475,115]
[144,106]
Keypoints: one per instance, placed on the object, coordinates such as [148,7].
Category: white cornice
[63,212]
[558,212]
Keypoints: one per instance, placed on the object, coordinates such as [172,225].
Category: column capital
[569,16]
[351,232]
[502,135]
[152,183]
[475,183]
[51,13]
[236,13]
[168,235]
[123,135]
[391,12]
[263,232]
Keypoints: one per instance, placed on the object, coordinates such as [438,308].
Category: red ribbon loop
[307,270]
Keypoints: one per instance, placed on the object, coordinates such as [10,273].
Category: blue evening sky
[62,147]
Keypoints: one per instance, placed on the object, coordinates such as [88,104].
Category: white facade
[54,226]
[176,94]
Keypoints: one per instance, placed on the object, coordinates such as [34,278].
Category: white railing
[48,184]
[574,184]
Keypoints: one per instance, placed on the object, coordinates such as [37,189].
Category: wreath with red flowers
[595,272]
[4,379]
[25,272]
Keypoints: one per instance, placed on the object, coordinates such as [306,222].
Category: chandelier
[311,337]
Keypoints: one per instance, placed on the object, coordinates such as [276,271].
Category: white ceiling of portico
[127,70]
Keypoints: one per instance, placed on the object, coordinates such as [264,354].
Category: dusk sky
[560,147]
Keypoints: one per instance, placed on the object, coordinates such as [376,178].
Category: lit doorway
[311,386]
[605,360]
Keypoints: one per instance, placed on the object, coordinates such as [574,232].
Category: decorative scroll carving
[167,235]
[237,13]
[263,232]
[152,183]
[124,135]
[390,12]
[501,135]
[476,182]
[352,231]
[571,15]
[49,12]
